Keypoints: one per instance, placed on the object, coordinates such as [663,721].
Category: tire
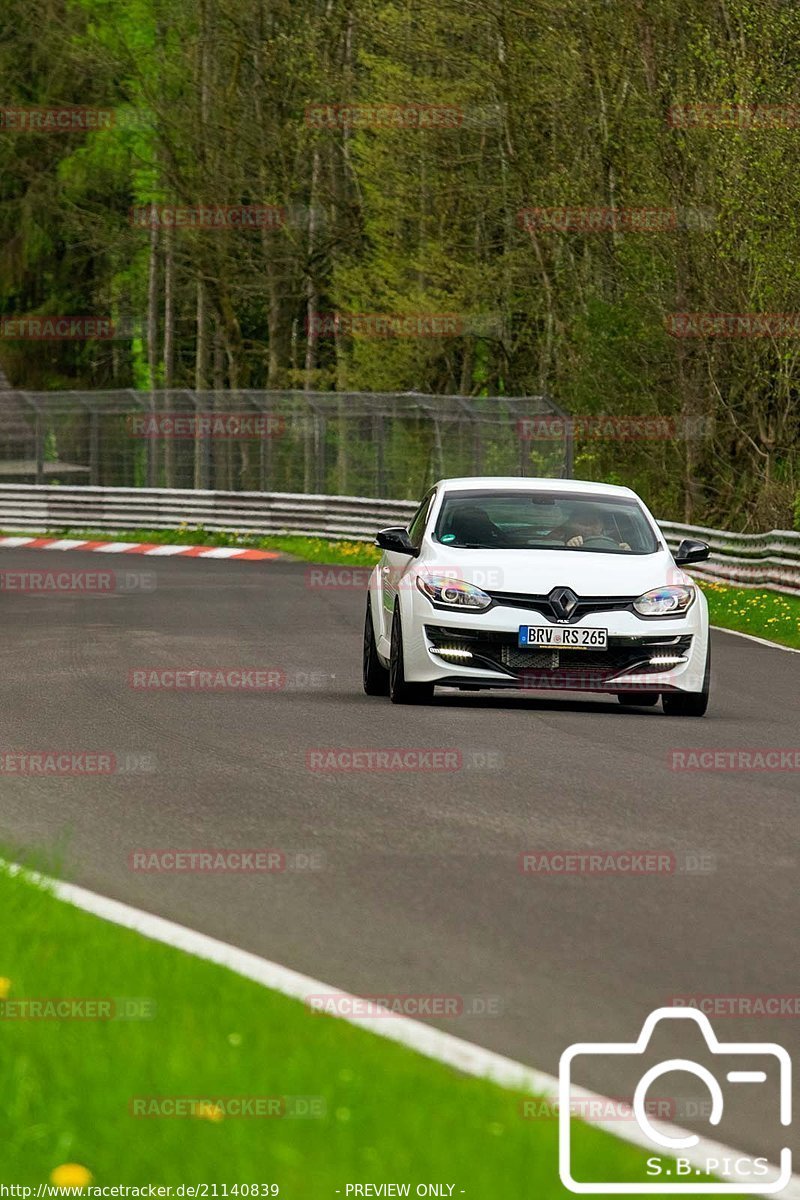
[690,704]
[643,699]
[401,692]
[376,676]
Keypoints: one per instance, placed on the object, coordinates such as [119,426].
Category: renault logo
[563,602]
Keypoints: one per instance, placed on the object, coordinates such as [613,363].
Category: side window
[417,527]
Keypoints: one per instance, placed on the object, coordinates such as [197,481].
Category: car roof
[498,483]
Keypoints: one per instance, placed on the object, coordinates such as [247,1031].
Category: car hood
[537,572]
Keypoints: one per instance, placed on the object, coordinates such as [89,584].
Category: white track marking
[751,637]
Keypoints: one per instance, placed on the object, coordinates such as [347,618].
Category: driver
[590,525]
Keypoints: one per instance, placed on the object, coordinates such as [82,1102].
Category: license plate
[567,639]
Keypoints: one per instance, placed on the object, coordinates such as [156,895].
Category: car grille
[501,652]
[543,605]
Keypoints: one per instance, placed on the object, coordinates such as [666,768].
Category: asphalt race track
[418,887]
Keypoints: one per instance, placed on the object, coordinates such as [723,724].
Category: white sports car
[536,583]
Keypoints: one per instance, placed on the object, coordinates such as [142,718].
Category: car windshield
[540,520]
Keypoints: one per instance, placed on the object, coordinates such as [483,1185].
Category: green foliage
[559,104]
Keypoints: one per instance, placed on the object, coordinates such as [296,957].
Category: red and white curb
[163,551]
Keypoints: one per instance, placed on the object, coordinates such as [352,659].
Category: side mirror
[396,539]
[690,551]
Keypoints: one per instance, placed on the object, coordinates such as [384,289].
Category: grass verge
[769,615]
[388,1113]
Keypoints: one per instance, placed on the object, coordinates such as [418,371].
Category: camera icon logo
[735,1174]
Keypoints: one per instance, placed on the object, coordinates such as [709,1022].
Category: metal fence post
[39,435]
[378,433]
[152,447]
[320,433]
[569,449]
[94,448]
[202,447]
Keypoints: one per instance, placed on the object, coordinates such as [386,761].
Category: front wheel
[376,676]
[690,704]
[400,691]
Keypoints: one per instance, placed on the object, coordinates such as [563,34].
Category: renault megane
[536,583]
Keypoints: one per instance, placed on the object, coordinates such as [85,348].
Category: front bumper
[481,650]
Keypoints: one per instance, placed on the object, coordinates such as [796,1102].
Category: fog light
[451,652]
[664,660]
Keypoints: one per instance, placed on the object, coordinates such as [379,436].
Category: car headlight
[452,593]
[670,601]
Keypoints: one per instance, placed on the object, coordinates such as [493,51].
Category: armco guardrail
[768,560]
[762,560]
[25,507]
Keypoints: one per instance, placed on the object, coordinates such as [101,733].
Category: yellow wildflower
[71,1175]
